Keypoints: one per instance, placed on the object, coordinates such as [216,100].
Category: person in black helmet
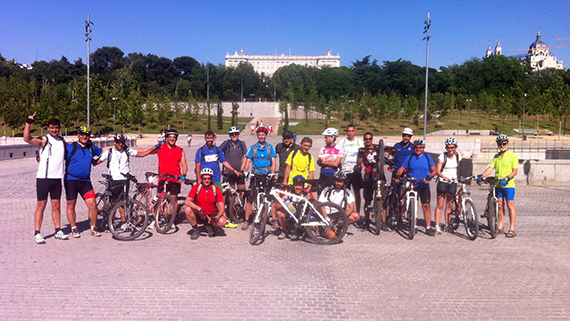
[284,149]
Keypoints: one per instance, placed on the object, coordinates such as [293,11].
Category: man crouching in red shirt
[205,202]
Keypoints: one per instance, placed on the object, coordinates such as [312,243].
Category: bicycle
[262,206]
[324,223]
[234,199]
[127,218]
[492,208]
[463,208]
[162,205]
[407,200]
[374,209]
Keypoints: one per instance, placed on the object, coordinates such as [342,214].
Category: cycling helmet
[206,171]
[298,179]
[84,130]
[171,131]
[233,130]
[120,138]
[331,132]
[262,130]
[340,175]
[502,138]
[419,142]
[451,141]
[287,134]
[408,131]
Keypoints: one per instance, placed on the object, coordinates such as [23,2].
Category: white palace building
[268,64]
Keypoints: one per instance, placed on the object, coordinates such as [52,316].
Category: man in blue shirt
[420,165]
[79,156]
[209,156]
[263,159]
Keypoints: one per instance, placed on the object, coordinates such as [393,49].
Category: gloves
[428,178]
[320,162]
[183,178]
[480,180]
[157,146]
[29,120]
[504,182]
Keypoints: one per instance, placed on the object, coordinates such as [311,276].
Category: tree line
[141,90]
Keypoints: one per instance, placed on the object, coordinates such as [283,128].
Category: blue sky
[386,30]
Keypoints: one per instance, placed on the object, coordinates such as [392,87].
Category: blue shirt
[261,163]
[209,158]
[402,153]
[79,164]
[419,167]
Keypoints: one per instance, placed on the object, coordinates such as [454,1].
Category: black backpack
[344,202]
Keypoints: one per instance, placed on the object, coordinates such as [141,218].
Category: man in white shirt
[341,196]
[349,148]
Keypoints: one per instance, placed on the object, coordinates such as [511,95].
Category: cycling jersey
[210,158]
[368,156]
[169,160]
[350,152]
[206,198]
[79,164]
[341,197]
[329,154]
[300,165]
[52,158]
[234,153]
[419,167]
[261,161]
[119,163]
[504,163]
[284,153]
[402,152]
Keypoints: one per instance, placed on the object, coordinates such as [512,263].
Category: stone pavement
[366,277]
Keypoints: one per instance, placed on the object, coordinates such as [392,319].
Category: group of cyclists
[346,168]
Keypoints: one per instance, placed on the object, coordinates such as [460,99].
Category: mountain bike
[373,212]
[263,184]
[234,199]
[409,202]
[162,206]
[324,223]
[463,208]
[126,218]
[492,208]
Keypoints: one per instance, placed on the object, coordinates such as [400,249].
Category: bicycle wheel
[164,213]
[258,226]
[492,217]
[323,232]
[102,210]
[412,217]
[236,212]
[454,216]
[128,220]
[377,209]
[470,220]
[380,163]
[393,213]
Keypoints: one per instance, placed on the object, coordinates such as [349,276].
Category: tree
[220,115]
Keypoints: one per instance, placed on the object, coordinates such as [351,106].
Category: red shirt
[169,160]
[206,199]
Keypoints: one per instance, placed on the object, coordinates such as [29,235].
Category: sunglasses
[419,147]
[450,147]
[406,135]
[232,135]
[171,136]
[367,138]
[502,144]
[85,135]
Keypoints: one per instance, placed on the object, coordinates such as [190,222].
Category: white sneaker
[61,236]
[151,225]
[39,239]
[438,229]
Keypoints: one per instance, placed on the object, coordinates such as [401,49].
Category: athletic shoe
[275,225]
[125,227]
[438,229]
[210,230]
[194,234]
[245,225]
[95,232]
[61,236]
[430,231]
[384,226]
[39,239]
[231,225]
[151,225]
[75,233]
[283,235]
[449,229]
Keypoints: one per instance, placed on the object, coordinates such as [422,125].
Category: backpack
[410,160]
[225,150]
[48,147]
[445,162]
[295,153]
[344,202]
[268,150]
[200,188]
[68,159]
[126,150]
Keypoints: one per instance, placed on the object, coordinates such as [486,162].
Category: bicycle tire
[136,220]
[393,213]
[454,216]
[164,213]
[377,209]
[492,218]
[257,229]
[412,217]
[102,209]
[236,212]
[338,224]
[380,163]
[470,220]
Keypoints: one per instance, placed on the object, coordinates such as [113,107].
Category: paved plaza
[366,277]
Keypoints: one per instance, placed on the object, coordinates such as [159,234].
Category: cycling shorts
[505,192]
[74,187]
[424,194]
[446,188]
[234,179]
[171,188]
[51,186]
[353,180]
[116,187]
[325,181]
[369,189]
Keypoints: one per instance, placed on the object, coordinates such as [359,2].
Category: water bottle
[289,205]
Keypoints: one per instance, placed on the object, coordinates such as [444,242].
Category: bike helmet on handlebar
[120,138]
[206,171]
[502,138]
[451,141]
[340,175]
[233,130]
[331,132]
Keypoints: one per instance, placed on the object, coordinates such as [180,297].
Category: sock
[36,232]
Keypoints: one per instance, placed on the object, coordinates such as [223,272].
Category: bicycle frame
[277,193]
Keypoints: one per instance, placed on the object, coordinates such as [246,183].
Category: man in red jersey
[172,161]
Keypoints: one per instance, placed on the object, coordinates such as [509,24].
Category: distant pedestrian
[161,137]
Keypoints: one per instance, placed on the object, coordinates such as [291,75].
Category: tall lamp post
[426,31]
[524,112]
[468,114]
[88,31]
[114,113]
[351,102]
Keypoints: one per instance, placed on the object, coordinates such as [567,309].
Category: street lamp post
[114,113]
[427,37]
[468,114]
[524,112]
[88,31]
[351,102]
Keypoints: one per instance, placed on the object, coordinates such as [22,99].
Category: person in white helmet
[447,169]
[329,158]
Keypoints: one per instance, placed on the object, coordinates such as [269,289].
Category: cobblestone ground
[366,277]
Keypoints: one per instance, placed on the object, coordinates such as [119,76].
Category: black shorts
[74,187]
[424,194]
[446,188]
[51,186]
[171,188]
[353,180]
[369,189]
[116,187]
[234,179]
[325,181]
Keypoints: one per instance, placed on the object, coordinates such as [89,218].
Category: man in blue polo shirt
[263,159]
[420,165]
[209,156]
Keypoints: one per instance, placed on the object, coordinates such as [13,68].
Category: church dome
[537,44]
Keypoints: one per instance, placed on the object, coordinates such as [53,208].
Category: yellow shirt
[504,163]
[300,165]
